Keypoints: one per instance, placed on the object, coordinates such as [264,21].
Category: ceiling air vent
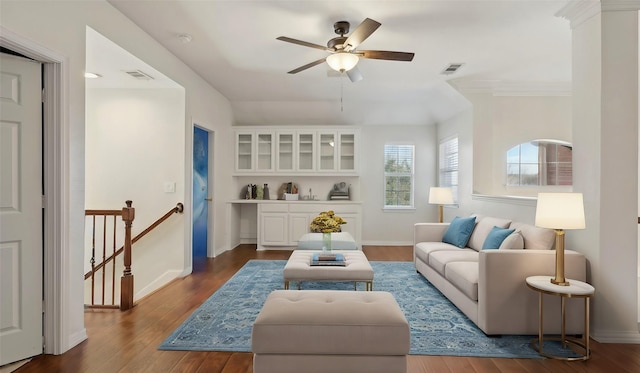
[451,68]
[140,75]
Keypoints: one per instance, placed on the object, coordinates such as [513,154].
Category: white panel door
[20,209]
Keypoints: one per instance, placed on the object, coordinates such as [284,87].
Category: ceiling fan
[344,57]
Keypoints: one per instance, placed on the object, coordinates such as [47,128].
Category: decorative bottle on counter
[254,191]
[265,191]
[247,195]
[259,192]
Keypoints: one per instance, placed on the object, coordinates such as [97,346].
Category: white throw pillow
[513,241]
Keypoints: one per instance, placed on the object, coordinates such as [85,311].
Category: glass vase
[326,241]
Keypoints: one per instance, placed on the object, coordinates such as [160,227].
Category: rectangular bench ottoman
[357,269]
[330,331]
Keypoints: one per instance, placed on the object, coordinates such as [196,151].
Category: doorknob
[208,199]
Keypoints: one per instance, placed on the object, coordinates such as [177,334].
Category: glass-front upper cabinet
[244,151]
[285,148]
[306,144]
[347,151]
[265,146]
[326,151]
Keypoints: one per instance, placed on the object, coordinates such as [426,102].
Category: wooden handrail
[178,209]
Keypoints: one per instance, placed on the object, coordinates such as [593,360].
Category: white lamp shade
[440,196]
[342,61]
[560,211]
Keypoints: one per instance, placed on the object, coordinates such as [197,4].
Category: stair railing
[126,281]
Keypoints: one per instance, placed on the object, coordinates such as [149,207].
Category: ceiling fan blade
[387,55]
[312,64]
[303,43]
[363,31]
[354,75]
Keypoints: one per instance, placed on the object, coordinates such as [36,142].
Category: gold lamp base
[559,278]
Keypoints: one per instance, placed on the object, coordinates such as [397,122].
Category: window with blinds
[448,165]
[398,176]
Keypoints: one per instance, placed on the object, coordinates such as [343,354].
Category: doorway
[202,194]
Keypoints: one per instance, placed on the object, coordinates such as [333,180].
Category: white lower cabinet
[281,224]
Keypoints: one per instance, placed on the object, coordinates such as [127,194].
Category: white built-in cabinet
[281,224]
[296,151]
[255,151]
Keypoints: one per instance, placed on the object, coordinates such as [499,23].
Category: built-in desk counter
[280,224]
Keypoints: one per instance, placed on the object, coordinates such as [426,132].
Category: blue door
[200,191]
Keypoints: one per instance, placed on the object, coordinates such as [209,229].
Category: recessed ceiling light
[92,75]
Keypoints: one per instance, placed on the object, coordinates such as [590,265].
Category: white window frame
[449,164]
[410,174]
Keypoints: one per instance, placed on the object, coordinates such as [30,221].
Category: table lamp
[560,211]
[440,196]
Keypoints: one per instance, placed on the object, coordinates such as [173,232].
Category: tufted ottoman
[330,331]
[357,269]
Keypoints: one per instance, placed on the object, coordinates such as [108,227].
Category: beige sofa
[488,286]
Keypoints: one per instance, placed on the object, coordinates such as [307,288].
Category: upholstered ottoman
[357,269]
[330,331]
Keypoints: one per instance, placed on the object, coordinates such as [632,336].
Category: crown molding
[577,12]
[501,88]
[620,5]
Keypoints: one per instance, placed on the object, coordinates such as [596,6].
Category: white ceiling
[509,43]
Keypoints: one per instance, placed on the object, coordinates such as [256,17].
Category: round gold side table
[575,289]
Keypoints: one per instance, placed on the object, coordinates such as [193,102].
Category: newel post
[126,283]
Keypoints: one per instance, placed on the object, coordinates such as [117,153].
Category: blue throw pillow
[459,231]
[495,237]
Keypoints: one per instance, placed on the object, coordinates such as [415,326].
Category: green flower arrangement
[327,222]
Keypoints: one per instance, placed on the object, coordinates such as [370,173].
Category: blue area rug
[224,321]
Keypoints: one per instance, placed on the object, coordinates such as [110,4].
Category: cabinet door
[274,229]
[265,146]
[353,222]
[347,160]
[244,151]
[326,151]
[306,147]
[298,226]
[285,151]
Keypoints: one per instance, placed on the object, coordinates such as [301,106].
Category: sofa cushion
[495,238]
[438,260]
[423,249]
[535,238]
[513,241]
[464,276]
[482,229]
[459,231]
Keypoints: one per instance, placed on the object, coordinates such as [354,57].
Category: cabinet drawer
[274,207]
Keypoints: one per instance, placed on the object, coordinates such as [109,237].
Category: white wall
[60,26]
[502,122]
[134,143]
[605,76]
[380,227]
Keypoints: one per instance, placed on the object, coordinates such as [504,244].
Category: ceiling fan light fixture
[342,61]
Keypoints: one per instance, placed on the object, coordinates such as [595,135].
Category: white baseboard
[387,243]
[76,338]
[615,336]
[164,279]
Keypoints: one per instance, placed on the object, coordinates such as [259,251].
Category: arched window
[540,162]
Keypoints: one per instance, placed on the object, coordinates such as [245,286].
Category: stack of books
[327,259]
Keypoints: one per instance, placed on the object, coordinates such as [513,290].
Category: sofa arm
[429,232]
[505,303]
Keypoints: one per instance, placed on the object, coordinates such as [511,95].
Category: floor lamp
[440,196]
[560,211]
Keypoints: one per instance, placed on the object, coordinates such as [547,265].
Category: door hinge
[44,201]
[43,95]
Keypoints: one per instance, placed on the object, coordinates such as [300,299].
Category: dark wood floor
[128,341]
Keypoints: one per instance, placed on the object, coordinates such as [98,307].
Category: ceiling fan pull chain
[341,91]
